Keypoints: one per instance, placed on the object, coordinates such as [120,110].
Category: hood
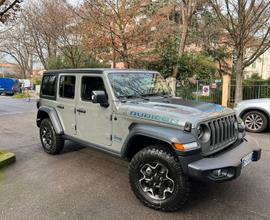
[173,111]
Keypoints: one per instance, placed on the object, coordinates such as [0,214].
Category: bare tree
[54,30]
[121,30]
[35,18]
[8,8]
[186,10]
[68,32]
[247,25]
[15,43]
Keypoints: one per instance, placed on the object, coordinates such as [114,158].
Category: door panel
[66,103]
[93,121]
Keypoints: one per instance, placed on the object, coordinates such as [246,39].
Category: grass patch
[21,96]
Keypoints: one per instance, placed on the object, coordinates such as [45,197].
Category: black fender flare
[165,134]
[53,117]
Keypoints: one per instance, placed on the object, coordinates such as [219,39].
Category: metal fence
[201,90]
[211,91]
[252,90]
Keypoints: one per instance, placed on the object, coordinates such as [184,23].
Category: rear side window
[67,87]
[90,84]
[48,87]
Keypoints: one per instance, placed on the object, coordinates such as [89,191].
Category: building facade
[8,69]
[261,67]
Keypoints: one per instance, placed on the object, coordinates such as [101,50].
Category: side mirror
[100,97]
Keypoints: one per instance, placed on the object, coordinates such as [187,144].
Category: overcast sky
[75,2]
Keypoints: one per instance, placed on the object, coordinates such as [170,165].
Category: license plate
[247,159]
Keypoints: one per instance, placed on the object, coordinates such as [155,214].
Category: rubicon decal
[159,118]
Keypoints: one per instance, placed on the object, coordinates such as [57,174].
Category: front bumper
[225,165]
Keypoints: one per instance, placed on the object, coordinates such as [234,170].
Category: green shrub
[36,80]
[22,95]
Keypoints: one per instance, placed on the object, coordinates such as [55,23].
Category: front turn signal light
[187,147]
[179,147]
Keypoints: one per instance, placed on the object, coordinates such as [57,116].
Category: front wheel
[255,121]
[52,143]
[157,179]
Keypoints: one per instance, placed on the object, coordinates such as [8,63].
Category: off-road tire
[160,154]
[262,117]
[57,142]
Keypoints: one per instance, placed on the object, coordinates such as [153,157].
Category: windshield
[132,85]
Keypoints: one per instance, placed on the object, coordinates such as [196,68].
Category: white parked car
[26,84]
[255,113]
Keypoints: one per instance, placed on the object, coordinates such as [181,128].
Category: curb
[6,158]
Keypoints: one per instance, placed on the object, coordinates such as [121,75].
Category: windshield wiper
[135,96]
[165,95]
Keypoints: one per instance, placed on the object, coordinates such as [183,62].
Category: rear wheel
[52,143]
[255,121]
[157,179]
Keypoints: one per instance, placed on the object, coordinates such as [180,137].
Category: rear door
[93,121]
[66,102]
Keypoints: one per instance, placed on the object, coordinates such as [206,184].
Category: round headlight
[203,133]
[199,131]
[241,125]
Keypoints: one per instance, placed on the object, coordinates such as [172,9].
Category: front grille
[222,132]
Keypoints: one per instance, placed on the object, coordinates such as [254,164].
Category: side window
[90,84]
[67,87]
[48,86]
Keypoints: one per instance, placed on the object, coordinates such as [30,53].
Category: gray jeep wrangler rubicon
[131,114]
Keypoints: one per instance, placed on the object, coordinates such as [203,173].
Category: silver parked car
[255,113]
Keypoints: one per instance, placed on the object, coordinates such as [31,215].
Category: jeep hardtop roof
[96,71]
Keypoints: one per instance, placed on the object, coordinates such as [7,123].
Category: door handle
[81,110]
[60,106]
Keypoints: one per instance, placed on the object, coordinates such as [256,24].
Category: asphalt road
[9,105]
[82,183]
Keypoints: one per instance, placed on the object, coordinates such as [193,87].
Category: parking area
[83,183]
[9,105]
